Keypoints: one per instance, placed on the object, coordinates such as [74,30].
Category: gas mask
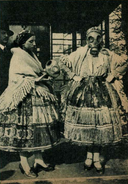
[52,68]
[94,41]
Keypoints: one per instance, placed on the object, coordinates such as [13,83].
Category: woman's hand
[43,78]
[77,78]
[64,59]
[40,78]
[109,78]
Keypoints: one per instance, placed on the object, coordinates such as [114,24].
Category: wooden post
[74,41]
[83,38]
[107,32]
[51,42]
[125,21]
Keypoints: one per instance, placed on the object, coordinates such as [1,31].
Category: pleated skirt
[32,126]
[93,115]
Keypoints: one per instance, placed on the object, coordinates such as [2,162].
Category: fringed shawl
[24,69]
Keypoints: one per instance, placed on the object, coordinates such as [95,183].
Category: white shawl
[24,70]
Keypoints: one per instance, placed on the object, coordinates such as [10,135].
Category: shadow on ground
[43,182]
[6,174]
[69,153]
[7,157]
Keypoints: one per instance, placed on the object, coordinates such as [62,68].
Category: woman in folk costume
[91,100]
[28,116]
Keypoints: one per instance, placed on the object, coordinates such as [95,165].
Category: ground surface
[69,161]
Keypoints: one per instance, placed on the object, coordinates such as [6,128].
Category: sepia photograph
[64,91]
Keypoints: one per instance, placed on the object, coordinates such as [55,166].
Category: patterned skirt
[93,115]
[32,126]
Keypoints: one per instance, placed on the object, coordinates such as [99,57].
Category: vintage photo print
[63,91]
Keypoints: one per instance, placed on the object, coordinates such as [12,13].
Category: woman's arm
[119,65]
[66,67]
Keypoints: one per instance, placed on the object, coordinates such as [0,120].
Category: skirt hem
[84,143]
[16,149]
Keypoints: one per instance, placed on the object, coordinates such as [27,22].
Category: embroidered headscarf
[93,29]
[22,37]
